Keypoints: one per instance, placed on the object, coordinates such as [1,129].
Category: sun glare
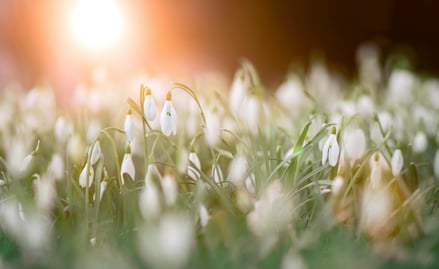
[96,24]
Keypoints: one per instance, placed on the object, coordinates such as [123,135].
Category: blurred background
[60,42]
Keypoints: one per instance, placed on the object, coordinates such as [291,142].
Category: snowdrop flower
[149,107]
[102,189]
[127,167]
[168,117]
[217,173]
[397,162]
[45,193]
[95,153]
[420,142]
[149,202]
[194,167]
[129,127]
[354,143]
[400,87]
[376,171]
[238,92]
[169,243]
[213,127]
[63,129]
[204,216]
[85,180]
[170,189]
[252,113]
[331,150]
[56,167]
[337,185]
[238,169]
[365,106]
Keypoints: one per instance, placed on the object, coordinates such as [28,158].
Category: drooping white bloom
[63,129]
[331,150]
[420,142]
[56,167]
[102,189]
[337,185]
[85,180]
[168,117]
[238,92]
[237,169]
[129,127]
[95,153]
[127,167]
[167,244]
[45,193]
[376,171]
[149,202]
[252,113]
[217,173]
[400,87]
[397,162]
[149,107]
[204,216]
[213,128]
[151,173]
[354,143]
[365,106]
[194,166]
[170,189]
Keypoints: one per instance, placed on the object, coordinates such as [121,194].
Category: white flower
[354,143]
[127,167]
[217,173]
[420,142]
[56,167]
[213,128]
[102,189]
[170,189]
[238,92]
[331,150]
[45,193]
[149,107]
[95,153]
[376,171]
[168,117]
[194,167]
[204,216]
[63,129]
[252,113]
[83,179]
[149,202]
[129,127]
[397,162]
[337,185]
[238,169]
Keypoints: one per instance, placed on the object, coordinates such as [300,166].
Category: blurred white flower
[365,106]
[194,167]
[238,92]
[397,162]
[102,189]
[337,185]
[401,83]
[168,117]
[331,150]
[217,173]
[170,189]
[149,107]
[85,180]
[354,143]
[63,129]
[238,169]
[95,153]
[149,202]
[167,244]
[213,127]
[252,113]
[45,193]
[129,126]
[127,167]
[56,167]
[420,142]
[75,148]
[291,95]
[250,184]
[204,216]
[376,170]
[293,260]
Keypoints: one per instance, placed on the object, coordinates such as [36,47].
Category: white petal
[325,150]
[204,216]
[127,167]
[334,152]
[149,108]
[397,162]
[170,189]
[83,180]
[129,128]
[194,168]
[96,153]
[168,119]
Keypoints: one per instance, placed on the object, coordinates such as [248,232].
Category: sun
[96,24]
